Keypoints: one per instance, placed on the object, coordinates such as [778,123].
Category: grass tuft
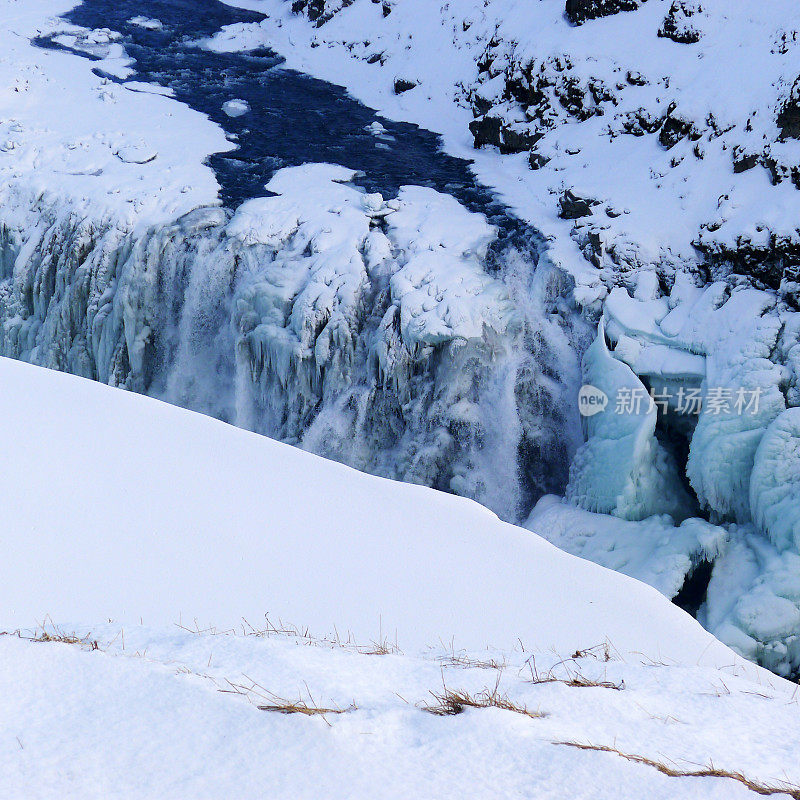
[450,702]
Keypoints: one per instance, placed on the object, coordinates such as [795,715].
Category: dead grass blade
[706,772]
[450,702]
[301,707]
[576,679]
[271,702]
[56,635]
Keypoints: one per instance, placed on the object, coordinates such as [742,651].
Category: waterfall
[395,335]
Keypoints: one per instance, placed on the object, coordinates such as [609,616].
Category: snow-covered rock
[652,550]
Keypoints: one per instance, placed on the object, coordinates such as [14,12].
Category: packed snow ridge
[655,147]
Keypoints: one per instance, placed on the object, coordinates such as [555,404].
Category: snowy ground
[215,524]
[100,148]
[168,713]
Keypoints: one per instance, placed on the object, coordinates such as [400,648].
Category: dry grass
[706,772]
[573,678]
[450,702]
[383,646]
[467,662]
[55,635]
[301,707]
[264,700]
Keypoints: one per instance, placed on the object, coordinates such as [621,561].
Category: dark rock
[674,129]
[402,85]
[313,9]
[486,130]
[743,161]
[764,265]
[494,131]
[515,141]
[572,206]
[579,11]
[677,25]
[480,105]
[316,10]
[572,96]
[789,116]
[636,79]
[536,160]
[640,122]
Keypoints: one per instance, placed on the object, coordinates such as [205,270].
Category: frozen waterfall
[367,330]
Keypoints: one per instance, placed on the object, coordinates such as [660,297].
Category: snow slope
[120,507]
[145,717]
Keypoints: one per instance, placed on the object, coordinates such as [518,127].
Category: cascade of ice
[366,330]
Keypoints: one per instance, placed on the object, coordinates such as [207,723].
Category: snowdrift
[120,507]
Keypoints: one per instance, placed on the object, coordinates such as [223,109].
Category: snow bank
[100,148]
[143,717]
[121,507]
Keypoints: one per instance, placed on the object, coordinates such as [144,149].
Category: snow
[236,108]
[653,550]
[124,515]
[775,481]
[753,601]
[199,520]
[144,716]
[728,86]
[68,133]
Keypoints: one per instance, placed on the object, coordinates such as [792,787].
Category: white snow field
[118,507]
[124,508]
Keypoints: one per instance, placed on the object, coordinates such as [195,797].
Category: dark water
[294,118]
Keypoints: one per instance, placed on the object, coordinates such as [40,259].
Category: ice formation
[363,329]
[622,469]
[736,445]
[775,481]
